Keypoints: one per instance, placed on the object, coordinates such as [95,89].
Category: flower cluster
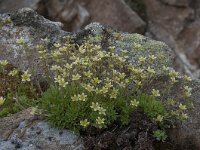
[96,86]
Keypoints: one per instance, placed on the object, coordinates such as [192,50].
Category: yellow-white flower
[134,103]
[96,80]
[57,45]
[95,106]
[82,50]
[104,90]
[100,120]
[3,62]
[164,68]
[76,77]
[142,59]
[159,118]
[68,66]
[173,80]
[137,46]
[182,107]
[26,76]
[88,74]
[122,75]
[13,73]
[152,57]
[122,84]
[74,98]
[137,71]
[84,123]
[187,91]
[114,93]
[121,59]
[187,78]
[62,82]
[102,111]
[173,73]
[56,54]
[108,85]
[55,67]
[151,71]
[82,97]
[20,40]
[89,88]
[184,116]
[155,93]
[2,100]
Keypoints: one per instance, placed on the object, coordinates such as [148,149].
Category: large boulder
[30,26]
[76,14]
[176,22]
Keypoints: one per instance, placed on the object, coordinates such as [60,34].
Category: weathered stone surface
[26,24]
[186,137]
[30,26]
[24,131]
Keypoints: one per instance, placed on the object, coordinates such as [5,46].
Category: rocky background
[176,22]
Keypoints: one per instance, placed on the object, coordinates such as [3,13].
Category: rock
[30,26]
[179,3]
[76,14]
[24,131]
[189,42]
[174,24]
[117,14]
[26,24]
[163,16]
[20,130]
[11,6]
[186,137]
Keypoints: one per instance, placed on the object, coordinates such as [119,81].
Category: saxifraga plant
[90,86]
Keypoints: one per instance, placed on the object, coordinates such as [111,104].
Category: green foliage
[15,95]
[160,135]
[14,104]
[65,113]
[151,106]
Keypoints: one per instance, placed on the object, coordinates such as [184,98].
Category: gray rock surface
[24,131]
[186,136]
[31,27]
